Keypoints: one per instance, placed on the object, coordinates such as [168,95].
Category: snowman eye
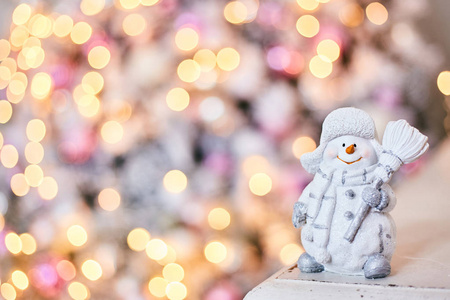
[343,145]
[354,145]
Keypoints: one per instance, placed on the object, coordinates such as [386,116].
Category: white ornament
[344,211]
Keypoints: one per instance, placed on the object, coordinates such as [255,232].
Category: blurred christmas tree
[149,149]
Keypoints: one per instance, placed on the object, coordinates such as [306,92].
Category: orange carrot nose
[350,149]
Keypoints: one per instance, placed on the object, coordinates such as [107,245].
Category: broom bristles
[404,141]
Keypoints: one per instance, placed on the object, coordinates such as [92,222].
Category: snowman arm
[388,199]
[301,208]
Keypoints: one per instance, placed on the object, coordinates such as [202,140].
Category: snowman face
[349,153]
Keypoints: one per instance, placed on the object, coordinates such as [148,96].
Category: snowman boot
[376,266]
[307,264]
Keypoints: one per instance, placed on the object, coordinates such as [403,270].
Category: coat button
[349,215]
[350,194]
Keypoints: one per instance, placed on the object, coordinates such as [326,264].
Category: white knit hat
[340,122]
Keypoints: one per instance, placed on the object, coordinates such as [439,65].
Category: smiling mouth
[347,162]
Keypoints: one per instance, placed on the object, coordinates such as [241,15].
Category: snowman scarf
[323,188]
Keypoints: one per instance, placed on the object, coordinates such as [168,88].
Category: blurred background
[150,149]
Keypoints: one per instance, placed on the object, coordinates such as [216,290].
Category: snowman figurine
[347,193]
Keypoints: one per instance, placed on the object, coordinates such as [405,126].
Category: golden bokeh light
[77,235]
[31,57]
[176,291]
[443,82]
[92,83]
[228,59]
[260,184]
[170,257]
[40,26]
[89,106]
[149,2]
[255,164]
[156,249]
[29,245]
[63,26]
[186,39]
[20,279]
[13,243]
[41,85]
[235,12]
[308,4]
[99,57]
[81,32]
[8,291]
[134,24]
[188,70]
[2,222]
[78,291]
[206,59]
[48,189]
[290,253]
[34,152]
[157,286]
[377,13]
[5,49]
[175,181]
[91,270]
[308,26]
[34,175]
[11,64]
[215,252]
[5,76]
[18,84]
[302,145]
[21,14]
[19,185]
[109,199]
[351,15]
[319,67]
[5,111]
[173,272]
[328,49]
[112,132]
[129,4]
[219,218]
[18,36]
[9,156]
[92,7]
[66,270]
[1,142]
[177,99]
[36,130]
[138,239]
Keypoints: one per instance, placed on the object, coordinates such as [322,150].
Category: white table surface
[421,262]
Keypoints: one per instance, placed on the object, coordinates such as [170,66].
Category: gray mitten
[371,196]
[299,216]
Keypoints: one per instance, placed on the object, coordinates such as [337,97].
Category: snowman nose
[350,149]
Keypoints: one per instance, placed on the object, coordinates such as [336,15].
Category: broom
[402,144]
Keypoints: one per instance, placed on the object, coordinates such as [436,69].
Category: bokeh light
[206,59]
[109,199]
[219,218]
[129,4]
[177,99]
[63,26]
[260,184]
[188,70]
[34,175]
[186,39]
[377,13]
[175,181]
[302,145]
[78,291]
[77,235]
[308,26]
[9,156]
[443,82]
[351,15]
[66,270]
[112,132]
[290,253]
[99,57]
[328,49]
[5,48]
[138,239]
[5,111]
[235,12]
[21,14]
[319,67]
[8,292]
[156,249]
[19,185]
[81,32]
[228,59]
[92,83]
[215,252]
[157,286]
[19,279]
[48,189]
[308,4]
[134,24]
[36,130]
[91,270]
[29,245]
[176,291]
[92,7]
[173,272]
[13,243]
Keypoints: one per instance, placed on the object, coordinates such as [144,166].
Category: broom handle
[359,217]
